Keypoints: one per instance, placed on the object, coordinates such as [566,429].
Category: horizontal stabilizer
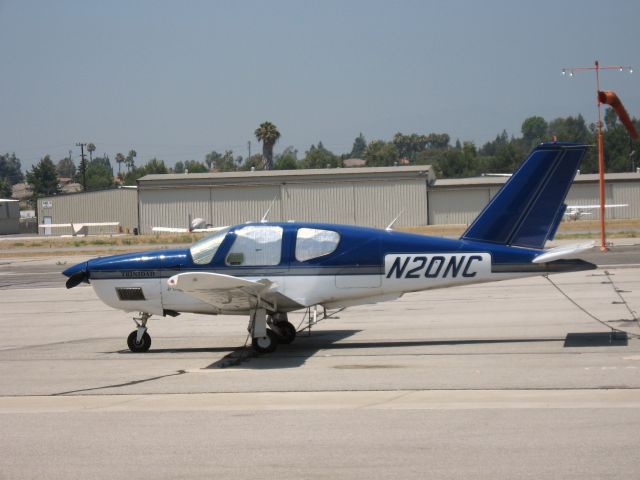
[563,251]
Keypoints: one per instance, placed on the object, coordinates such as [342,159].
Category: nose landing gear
[139,340]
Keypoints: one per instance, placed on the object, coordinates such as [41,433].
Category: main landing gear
[139,340]
[265,340]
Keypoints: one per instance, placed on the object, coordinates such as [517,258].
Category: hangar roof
[490,180]
[287,176]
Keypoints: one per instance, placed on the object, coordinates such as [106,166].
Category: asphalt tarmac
[503,380]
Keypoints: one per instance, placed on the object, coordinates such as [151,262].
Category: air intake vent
[130,293]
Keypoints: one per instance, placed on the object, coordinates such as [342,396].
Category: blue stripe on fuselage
[361,251]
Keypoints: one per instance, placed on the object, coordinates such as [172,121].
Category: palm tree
[119,161]
[268,134]
[130,162]
[91,148]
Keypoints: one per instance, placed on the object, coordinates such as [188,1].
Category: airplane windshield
[205,249]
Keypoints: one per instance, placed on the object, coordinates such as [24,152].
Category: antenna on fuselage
[264,217]
[390,226]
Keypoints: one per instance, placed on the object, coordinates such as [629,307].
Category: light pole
[571,71]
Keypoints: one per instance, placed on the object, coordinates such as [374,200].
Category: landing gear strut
[139,340]
[263,339]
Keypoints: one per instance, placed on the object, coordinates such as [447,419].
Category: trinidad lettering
[434,266]
[138,274]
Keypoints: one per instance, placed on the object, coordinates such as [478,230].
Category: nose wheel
[139,340]
[139,346]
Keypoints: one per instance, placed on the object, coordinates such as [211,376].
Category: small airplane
[197,225]
[265,270]
[79,228]
[574,212]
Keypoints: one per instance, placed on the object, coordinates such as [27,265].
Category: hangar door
[455,207]
[232,205]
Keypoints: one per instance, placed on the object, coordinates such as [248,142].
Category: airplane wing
[170,229]
[593,207]
[563,251]
[185,230]
[228,293]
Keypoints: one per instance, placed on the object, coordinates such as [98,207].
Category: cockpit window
[256,245]
[205,249]
[314,243]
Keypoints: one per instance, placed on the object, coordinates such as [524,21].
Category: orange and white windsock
[609,97]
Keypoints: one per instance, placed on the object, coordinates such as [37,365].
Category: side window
[256,245]
[314,243]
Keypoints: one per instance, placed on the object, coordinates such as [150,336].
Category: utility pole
[571,71]
[249,148]
[83,166]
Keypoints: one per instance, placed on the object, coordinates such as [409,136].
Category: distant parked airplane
[266,269]
[574,212]
[79,228]
[197,225]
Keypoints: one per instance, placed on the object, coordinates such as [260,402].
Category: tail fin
[528,208]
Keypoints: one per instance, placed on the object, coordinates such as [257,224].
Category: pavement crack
[119,385]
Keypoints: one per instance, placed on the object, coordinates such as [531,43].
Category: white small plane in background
[197,225]
[78,228]
[574,212]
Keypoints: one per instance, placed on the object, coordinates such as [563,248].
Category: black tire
[286,332]
[138,347]
[265,344]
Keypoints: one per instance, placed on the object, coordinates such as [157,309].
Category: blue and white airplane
[266,269]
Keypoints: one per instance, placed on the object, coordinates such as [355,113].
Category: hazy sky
[175,80]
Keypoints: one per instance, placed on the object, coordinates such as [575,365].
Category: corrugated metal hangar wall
[363,196]
[458,201]
[117,205]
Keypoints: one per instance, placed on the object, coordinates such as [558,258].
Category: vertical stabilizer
[528,208]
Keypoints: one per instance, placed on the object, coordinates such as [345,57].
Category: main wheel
[286,332]
[266,344]
[141,346]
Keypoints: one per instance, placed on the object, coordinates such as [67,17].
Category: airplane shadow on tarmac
[304,347]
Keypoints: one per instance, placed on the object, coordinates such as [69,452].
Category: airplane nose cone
[77,274]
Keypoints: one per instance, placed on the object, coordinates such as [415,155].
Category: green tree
[5,188]
[43,179]
[91,148]
[193,166]
[381,154]
[119,160]
[287,160]
[212,158]
[359,145]
[179,167]
[10,168]
[255,162]
[130,160]
[225,163]
[268,134]
[99,176]
[320,157]
[534,131]
[155,166]
[66,168]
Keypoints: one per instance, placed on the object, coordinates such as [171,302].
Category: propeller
[77,278]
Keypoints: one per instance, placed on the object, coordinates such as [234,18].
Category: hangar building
[458,201]
[9,216]
[116,205]
[363,196]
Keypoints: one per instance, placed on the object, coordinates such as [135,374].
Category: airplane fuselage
[366,266]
